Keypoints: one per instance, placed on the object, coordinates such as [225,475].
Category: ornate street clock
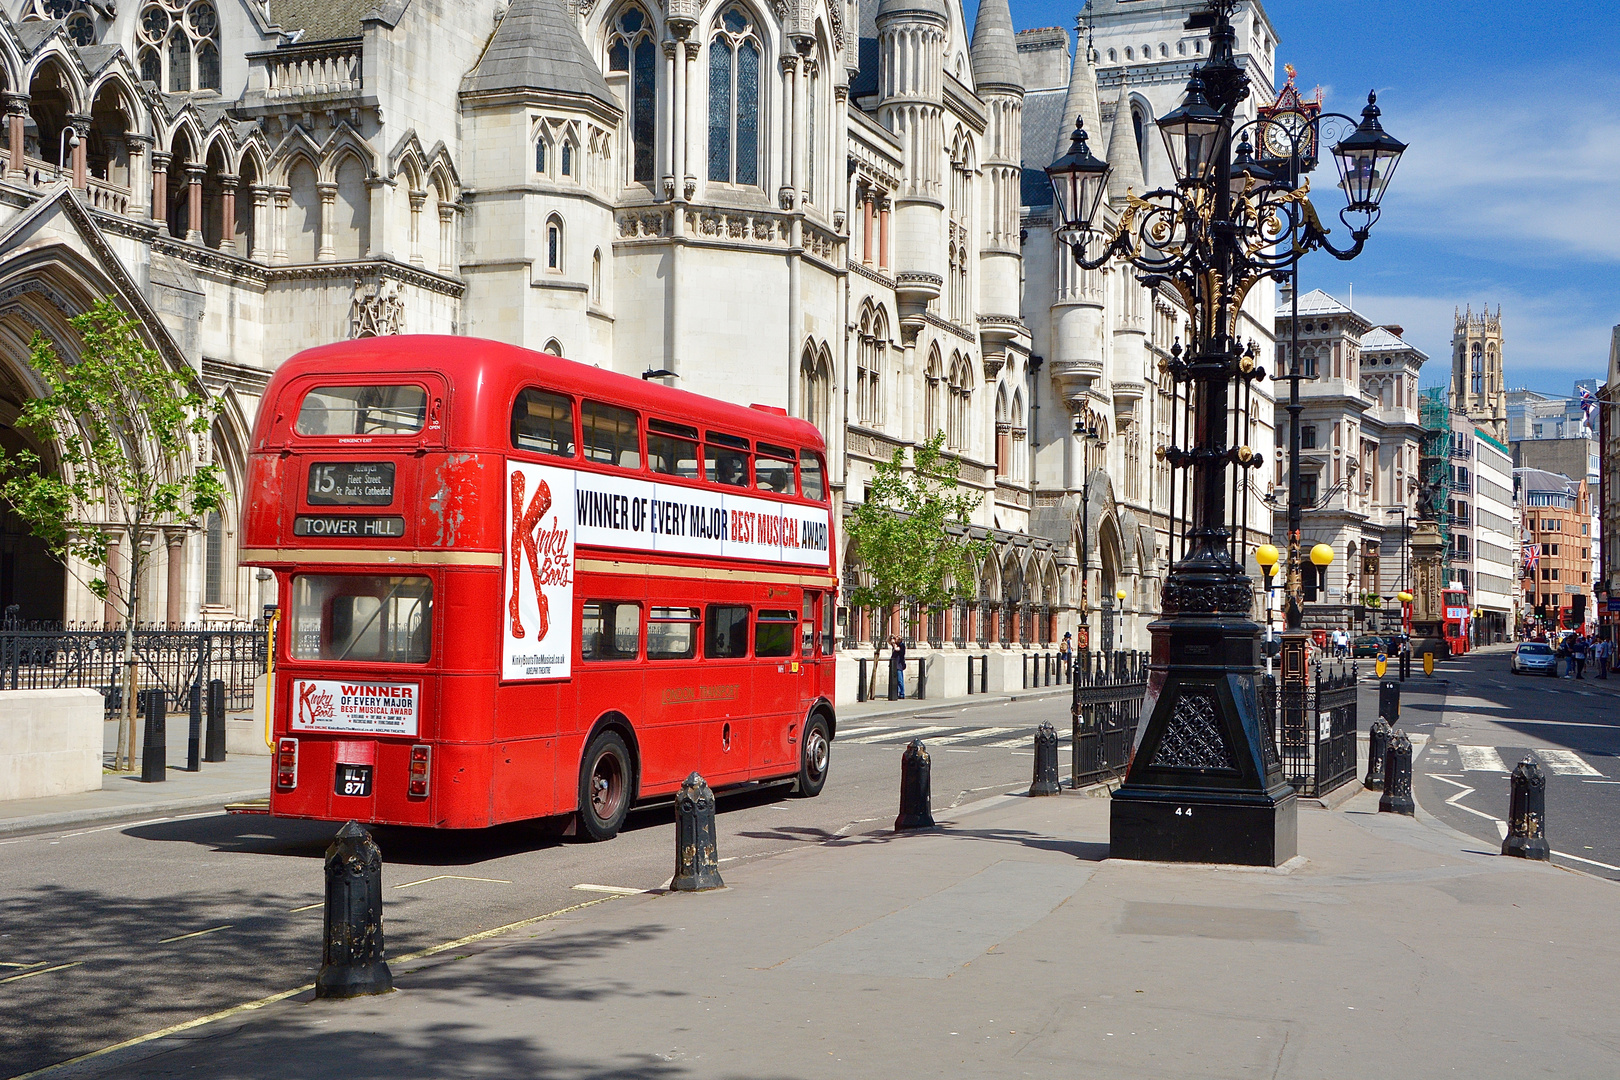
[1289,124]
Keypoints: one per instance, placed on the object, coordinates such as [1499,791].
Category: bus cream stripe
[394,557]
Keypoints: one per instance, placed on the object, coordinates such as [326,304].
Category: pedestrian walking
[897,668]
[1577,652]
[1065,655]
[1602,649]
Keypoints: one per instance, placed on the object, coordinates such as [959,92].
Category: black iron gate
[1108,692]
[1315,724]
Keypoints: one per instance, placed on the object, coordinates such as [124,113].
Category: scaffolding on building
[1434,461]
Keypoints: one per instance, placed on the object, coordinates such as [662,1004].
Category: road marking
[195,933]
[614,890]
[1600,781]
[908,733]
[1008,744]
[966,735]
[41,971]
[21,967]
[453,877]
[867,728]
[1481,759]
[1592,862]
[1466,791]
[306,907]
[1566,763]
[187,1025]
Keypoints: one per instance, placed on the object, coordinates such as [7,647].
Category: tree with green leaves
[121,423]
[911,534]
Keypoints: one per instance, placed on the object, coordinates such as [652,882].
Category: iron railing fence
[48,656]
[1108,693]
[1315,725]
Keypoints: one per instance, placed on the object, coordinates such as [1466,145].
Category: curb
[37,822]
[912,706]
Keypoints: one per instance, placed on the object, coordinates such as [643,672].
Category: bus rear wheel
[604,786]
[815,755]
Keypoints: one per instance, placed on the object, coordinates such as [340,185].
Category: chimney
[1394,329]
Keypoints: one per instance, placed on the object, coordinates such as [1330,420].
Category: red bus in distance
[515,587]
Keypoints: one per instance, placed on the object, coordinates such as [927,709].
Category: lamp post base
[1205,783]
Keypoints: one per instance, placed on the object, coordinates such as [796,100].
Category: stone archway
[33,585]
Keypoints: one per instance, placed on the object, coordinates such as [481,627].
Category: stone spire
[1081,100]
[994,50]
[1123,153]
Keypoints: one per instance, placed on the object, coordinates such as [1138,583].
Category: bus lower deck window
[364,618]
[672,633]
[725,459]
[773,470]
[810,475]
[543,423]
[773,633]
[362,410]
[610,630]
[725,636]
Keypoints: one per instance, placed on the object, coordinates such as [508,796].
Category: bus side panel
[525,780]
[261,518]
[463,779]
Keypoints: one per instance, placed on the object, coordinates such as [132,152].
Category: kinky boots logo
[540,573]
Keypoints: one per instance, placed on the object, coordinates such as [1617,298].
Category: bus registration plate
[354,780]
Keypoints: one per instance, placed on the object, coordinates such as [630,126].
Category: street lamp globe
[1267,555]
[1321,555]
[1120,596]
[1079,179]
[1367,159]
[1193,134]
[1404,597]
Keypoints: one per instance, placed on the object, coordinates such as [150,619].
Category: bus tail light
[421,760]
[286,764]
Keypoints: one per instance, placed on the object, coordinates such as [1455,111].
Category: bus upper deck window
[362,410]
[612,436]
[672,449]
[725,459]
[773,469]
[810,475]
[543,423]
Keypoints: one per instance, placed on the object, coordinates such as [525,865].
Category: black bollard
[915,795]
[697,864]
[1397,797]
[353,960]
[194,732]
[1406,664]
[1389,701]
[1527,814]
[214,750]
[1377,746]
[1046,762]
[155,749]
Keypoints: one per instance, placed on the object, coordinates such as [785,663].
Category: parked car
[1372,645]
[1534,658]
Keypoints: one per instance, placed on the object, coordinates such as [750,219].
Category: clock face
[1285,133]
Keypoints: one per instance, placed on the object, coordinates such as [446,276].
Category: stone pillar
[16,126]
[227,213]
[380,244]
[175,598]
[787,190]
[447,238]
[883,234]
[140,177]
[261,223]
[418,200]
[328,192]
[111,613]
[801,129]
[80,153]
[278,226]
[690,124]
[160,186]
[868,220]
[194,179]
[675,75]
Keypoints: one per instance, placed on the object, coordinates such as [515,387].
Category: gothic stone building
[822,206]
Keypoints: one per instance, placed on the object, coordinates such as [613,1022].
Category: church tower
[1477,387]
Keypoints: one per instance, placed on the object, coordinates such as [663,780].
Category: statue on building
[376,312]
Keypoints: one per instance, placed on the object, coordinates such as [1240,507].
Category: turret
[1127,379]
[911,65]
[997,79]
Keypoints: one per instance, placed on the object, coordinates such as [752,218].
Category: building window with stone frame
[933,378]
[177,46]
[815,386]
[542,153]
[870,353]
[735,57]
[1477,381]
[554,244]
[961,390]
[633,55]
[214,561]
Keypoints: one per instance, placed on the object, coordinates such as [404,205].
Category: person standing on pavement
[1065,656]
[897,668]
[1577,655]
[1601,652]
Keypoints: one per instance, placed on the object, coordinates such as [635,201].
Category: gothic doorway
[32,584]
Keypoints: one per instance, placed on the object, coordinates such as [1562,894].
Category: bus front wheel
[815,755]
[604,786]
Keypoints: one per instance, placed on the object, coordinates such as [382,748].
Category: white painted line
[453,877]
[1501,826]
[963,736]
[196,933]
[612,890]
[22,967]
[1617,782]
[867,728]
[306,907]
[1008,744]
[909,733]
[1481,759]
[1566,763]
[1589,862]
[42,971]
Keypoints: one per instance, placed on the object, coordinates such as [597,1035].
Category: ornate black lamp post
[1205,783]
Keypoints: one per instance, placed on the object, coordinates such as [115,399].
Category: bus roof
[484,375]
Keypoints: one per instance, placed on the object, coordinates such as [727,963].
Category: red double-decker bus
[514,587]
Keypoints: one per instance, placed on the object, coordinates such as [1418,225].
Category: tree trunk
[126,723]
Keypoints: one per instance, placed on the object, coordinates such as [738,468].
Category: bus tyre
[604,786]
[815,754]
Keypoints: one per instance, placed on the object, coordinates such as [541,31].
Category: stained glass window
[540,155]
[568,159]
[207,66]
[720,111]
[151,66]
[734,69]
[645,129]
[179,62]
[748,113]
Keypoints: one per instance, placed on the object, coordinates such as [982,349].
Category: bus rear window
[363,618]
[362,410]
[543,423]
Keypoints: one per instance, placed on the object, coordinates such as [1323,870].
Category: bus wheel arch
[609,777]
[815,751]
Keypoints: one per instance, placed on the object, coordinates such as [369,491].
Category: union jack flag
[1532,557]
[1588,403]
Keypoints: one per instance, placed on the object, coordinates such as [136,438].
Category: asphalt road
[119,930]
[1488,721]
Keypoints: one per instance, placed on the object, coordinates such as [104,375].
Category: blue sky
[1510,192]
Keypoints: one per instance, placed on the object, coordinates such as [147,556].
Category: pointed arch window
[933,416]
[214,563]
[596,276]
[541,155]
[1478,380]
[179,62]
[633,52]
[734,64]
[567,163]
[178,45]
[554,244]
[961,390]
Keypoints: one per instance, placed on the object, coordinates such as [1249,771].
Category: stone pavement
[1004,944]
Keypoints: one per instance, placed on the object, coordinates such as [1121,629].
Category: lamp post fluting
[1206,783]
